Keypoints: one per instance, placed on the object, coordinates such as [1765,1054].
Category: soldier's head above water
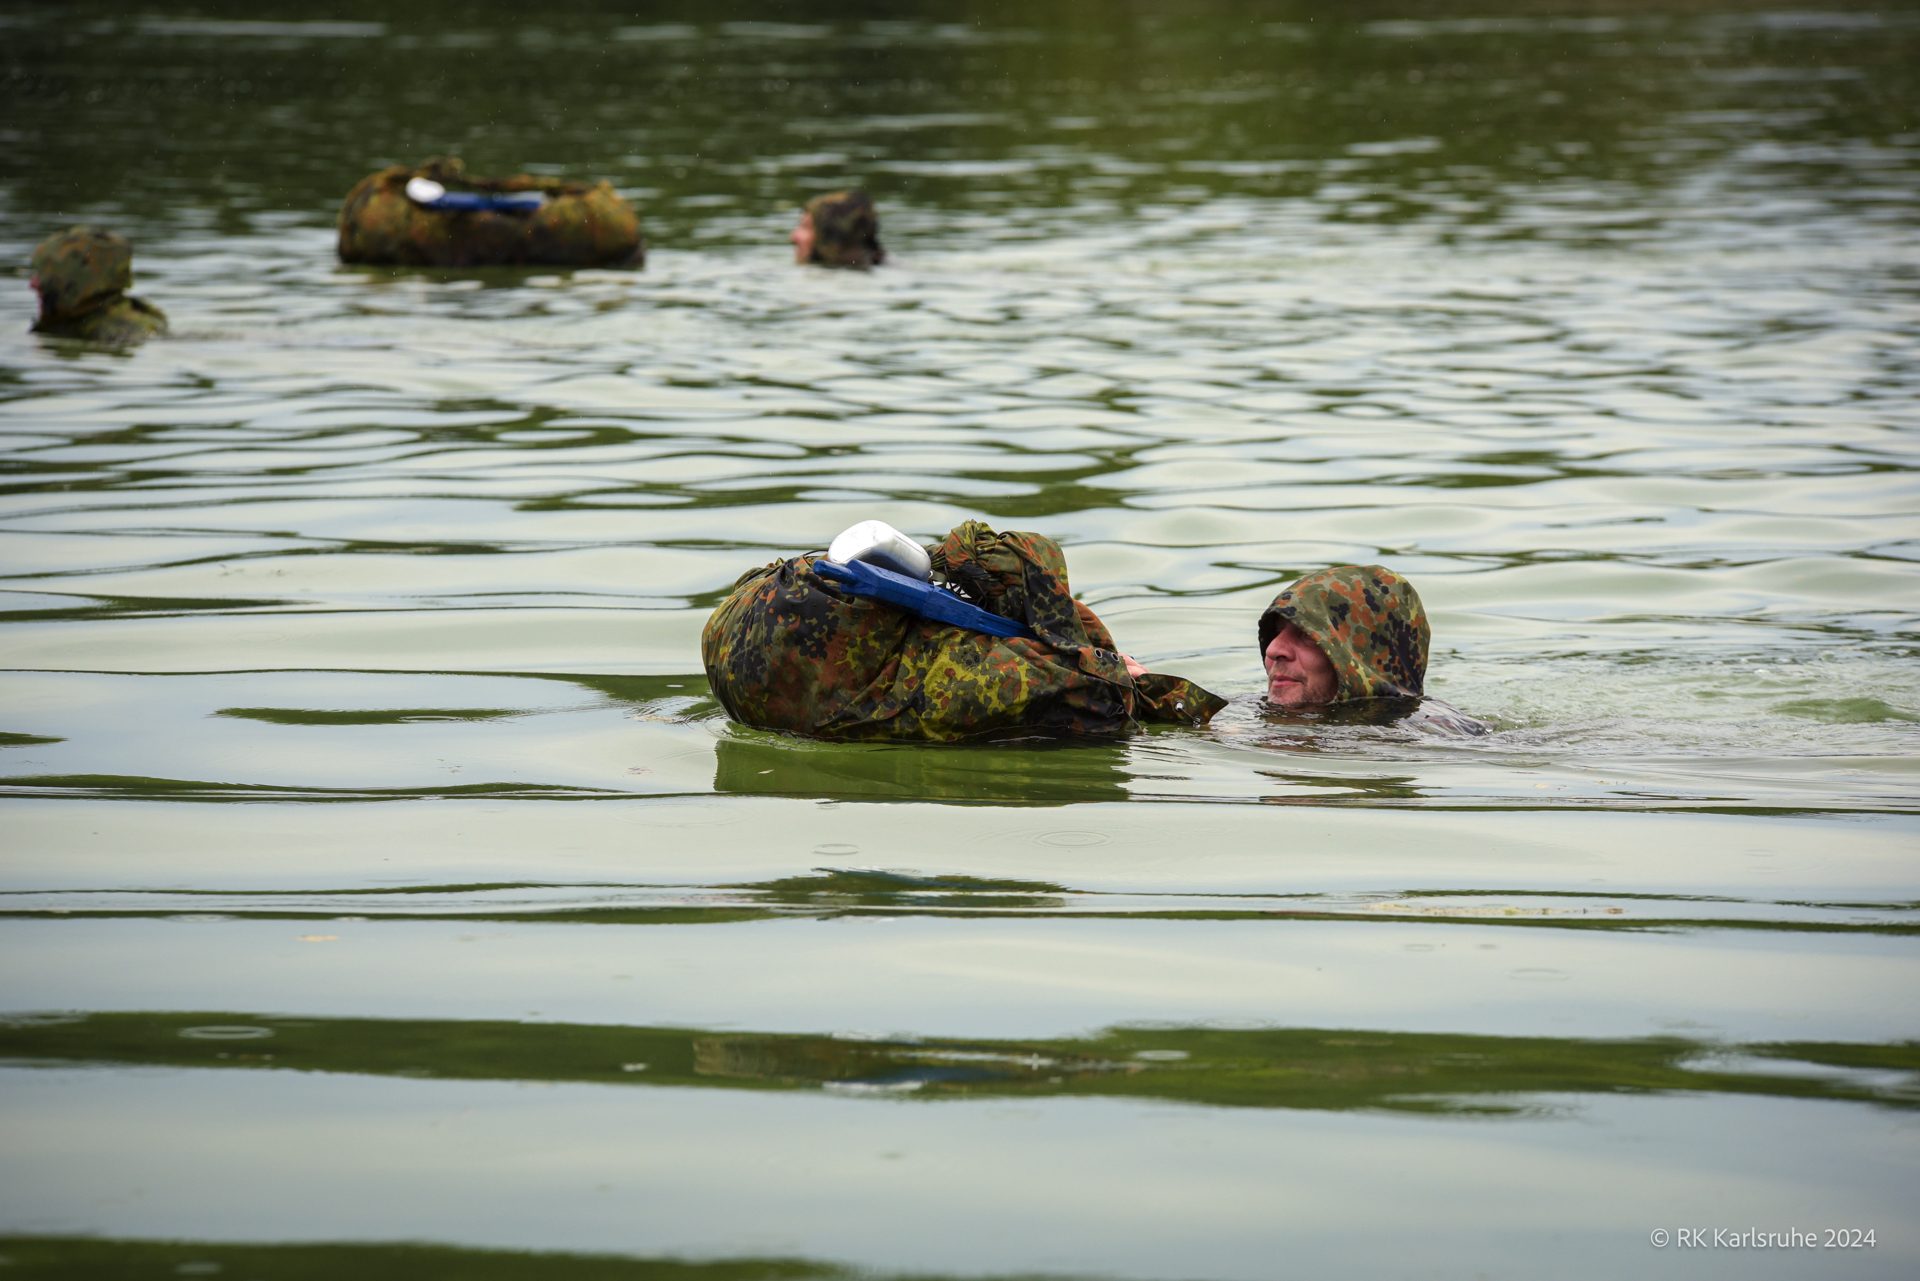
[82,275]
[1342,634]
[840,229]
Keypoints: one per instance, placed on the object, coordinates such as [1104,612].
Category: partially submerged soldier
[840,229]
[1354,635]
[439,215]
[793,649]
[82,276]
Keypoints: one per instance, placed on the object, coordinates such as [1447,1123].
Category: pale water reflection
[351,676]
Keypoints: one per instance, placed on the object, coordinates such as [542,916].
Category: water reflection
[1026,771]
[91,1256]
[1458,123]
[838,892]
[1219,1067]
[330,736]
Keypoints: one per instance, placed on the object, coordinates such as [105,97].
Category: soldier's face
[802,238]
[1298,673]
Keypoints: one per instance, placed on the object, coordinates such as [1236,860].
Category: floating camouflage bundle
[1369,622]
[577,225]
[846,230]
[791,650]
[82,275]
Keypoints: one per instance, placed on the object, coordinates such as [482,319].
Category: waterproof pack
[916,597]
[429,194]
[879,543]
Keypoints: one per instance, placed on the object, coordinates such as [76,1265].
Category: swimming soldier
[840,229]
[1351,634]
[82,276]
[809,646]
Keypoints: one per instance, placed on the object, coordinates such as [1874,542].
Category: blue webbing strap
[508,202]
[917,597]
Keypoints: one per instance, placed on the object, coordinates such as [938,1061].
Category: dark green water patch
[957,905]
[1327,1069]
[828,893]
[37,1258]
[1448,119]
[132,787]
[394,716]
[1027,772]
[897,892]
[8,739]
[686,695]
[1844,711]
[94,607]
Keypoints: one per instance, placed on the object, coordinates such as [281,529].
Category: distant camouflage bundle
[578,226]
[82,275]
[791,650]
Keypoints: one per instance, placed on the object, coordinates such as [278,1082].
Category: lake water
[383,894]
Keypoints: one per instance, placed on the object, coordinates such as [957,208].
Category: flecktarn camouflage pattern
[578,226]
[791,650]
[82,275]
[1369,622]
[846,230]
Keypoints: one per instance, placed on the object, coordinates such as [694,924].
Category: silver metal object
[878,543]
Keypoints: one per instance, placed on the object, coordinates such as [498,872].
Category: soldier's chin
[1287,694]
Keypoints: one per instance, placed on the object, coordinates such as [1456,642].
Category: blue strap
[507,202]
[916,597]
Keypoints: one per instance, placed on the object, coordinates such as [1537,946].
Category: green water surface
[383,893]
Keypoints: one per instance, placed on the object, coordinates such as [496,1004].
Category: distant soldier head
[81,270]
[840,229]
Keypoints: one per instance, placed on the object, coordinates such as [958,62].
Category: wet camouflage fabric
[846,230]
[1369,622]
[579,226]
[790,650]
[82,275]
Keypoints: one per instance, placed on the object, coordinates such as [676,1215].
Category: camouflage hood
[1367,620]
[846,230]
[81,270]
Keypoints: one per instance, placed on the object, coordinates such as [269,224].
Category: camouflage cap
[1367,620]
[846,230]
[80,270]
